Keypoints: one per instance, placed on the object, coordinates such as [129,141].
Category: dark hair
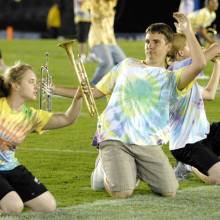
[161,28]
[13,74]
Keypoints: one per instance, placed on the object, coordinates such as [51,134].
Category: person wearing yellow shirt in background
[82,20]
[54,20]
[102,41]
[202,19]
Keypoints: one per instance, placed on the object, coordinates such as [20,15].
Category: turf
[63,159]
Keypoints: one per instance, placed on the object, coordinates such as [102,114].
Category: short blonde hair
[179,42]
[13,74]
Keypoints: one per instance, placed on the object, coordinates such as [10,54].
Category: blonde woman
[18,187]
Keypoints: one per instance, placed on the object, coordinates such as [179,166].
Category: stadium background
[63,159]
[131,17]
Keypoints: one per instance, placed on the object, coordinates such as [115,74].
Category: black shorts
[202,154]
[82,29]
[21,181]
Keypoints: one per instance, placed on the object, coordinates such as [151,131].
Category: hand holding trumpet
[46,87]
[82,78]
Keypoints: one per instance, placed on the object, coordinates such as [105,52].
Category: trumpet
[82,77]
[45,96]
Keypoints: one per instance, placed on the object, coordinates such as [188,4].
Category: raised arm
[59,120]
[209,91]
[198,58]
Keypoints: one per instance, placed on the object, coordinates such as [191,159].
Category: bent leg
[121,194]
[155,169]
[214,174]
[42,203]
[11,204]
[203,158]
[32,192]
[119,168]
[201,176]
[10,201]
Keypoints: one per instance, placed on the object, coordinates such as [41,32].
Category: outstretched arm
[70,92]
[209,91]
[59,120]
[198,58]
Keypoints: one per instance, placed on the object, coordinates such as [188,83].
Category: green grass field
[63,159]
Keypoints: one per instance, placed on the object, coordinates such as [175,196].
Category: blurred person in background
[188,6]
[82,20]
[18,186]
[54,20]
[102,40]
[202,19]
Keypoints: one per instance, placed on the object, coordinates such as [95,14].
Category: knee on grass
[169,194]
[215,180]
[15,208]
[214,174]
[122,195]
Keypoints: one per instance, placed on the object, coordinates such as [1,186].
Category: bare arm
[70,92]
[64,91]
[212,51]
[198,58]
[209,91]
[206,36]
[59,120]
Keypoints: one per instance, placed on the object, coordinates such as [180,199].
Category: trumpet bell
[66,43]
[81,75]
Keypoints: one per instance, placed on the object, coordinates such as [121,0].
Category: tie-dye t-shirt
[14,127]
[138,108]
[188,122]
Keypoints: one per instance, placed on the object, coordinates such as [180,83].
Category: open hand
[183,24]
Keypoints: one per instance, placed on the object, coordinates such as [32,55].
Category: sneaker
[182,171]
[97,176]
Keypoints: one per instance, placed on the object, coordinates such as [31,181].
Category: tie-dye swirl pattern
[138,109]
[188,122]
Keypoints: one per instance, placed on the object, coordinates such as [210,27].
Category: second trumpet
[45,98]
